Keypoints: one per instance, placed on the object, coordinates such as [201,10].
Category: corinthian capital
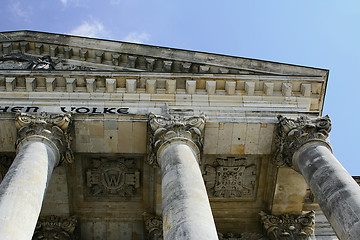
[167,130]
[295,133]
[289,226]
[50,128]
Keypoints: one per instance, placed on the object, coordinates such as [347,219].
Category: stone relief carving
[165,130]
[293,133]
[243,236]
[154,227]
[51,127]
[54,227]
[289,226]
[231,177]
[113,178]
[24,61]
[5,163]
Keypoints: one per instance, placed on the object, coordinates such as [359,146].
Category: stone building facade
[111,140]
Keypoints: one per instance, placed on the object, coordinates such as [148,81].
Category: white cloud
[19,10]
[64,2]
[93,29]
[136,37]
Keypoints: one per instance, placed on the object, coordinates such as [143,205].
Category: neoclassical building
[110,140]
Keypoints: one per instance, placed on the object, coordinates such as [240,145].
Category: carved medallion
[289,226]
[231,177]
[113,178]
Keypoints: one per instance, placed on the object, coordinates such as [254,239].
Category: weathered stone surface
[335,190]
[186,210]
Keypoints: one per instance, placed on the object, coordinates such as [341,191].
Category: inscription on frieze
[231,177]
[112,178]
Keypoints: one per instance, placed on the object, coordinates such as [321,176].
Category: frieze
[293,133]
[54,227]
[231,178]
[114,178]
[65,109]
[289,226]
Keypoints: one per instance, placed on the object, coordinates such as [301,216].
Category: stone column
[303,147]
[43,142]
[175,143]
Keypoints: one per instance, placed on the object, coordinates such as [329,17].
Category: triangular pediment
[20,49]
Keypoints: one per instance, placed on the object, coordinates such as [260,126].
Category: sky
[322,34]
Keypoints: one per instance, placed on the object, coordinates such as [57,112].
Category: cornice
[130,56]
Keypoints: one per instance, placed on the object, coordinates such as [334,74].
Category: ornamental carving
[25,61]
[54,227]
[289,226]
[52,127]
[243,236]
[117,178]
[165,130]
[294,133]
[154,227]
[231,177]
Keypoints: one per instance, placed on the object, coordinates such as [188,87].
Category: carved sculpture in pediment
[289,226]
[25,61]
[154,227]
[54,227]
[231,177]
[113,178]
[294,133]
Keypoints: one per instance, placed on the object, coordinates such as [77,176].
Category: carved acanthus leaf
[164,130]
[53,127]
[289,226]
[54,227]
[154,227]
[294,133]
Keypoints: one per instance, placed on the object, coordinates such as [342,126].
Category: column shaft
[335,190]
[186,208]
[23,189]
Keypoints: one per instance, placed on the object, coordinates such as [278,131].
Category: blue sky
[323,34]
